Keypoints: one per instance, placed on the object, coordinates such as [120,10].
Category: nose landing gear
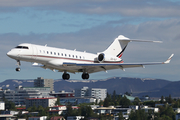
[18,64]
[18,69]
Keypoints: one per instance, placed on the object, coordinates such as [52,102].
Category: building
[9,112]
[57,118]
[77,100]
[91,92]
[131,98]
[62,94]
[44,102]
[152,109]
[57,109]
[38,118]
[105,110]
[178,116]
[7,117]
[41,82]
[2,106]
[125,112]
[20,93]
[75,117]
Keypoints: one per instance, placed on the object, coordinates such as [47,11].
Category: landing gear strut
[85,76]
[65,76]
[18,64]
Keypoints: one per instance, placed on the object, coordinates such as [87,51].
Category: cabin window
[54,53]
[69,55]
[73,56]
[51,53]
[58,53]
[40,51]
[47,52]
[76,56]
[80,57]
[65,55]
[62,54]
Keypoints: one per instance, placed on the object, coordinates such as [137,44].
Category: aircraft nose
[11,54]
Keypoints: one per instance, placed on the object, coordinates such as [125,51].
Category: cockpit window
[22,47]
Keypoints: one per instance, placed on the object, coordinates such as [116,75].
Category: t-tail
[115,51]
[119,45]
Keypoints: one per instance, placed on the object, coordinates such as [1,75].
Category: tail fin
[119,45]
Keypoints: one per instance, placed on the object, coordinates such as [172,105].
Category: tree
[9,105]
[101,103]
[69,110]
[125,102]
[138,115]
[136,101]
[89,111]
[127,93]
[114,96]
[120,116]
[106,102]
[149,103]
[162,99]
[58,101]
[41,111]
[170,99]
[32,108]
[169,112]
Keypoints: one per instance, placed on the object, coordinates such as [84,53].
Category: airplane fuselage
[53,58]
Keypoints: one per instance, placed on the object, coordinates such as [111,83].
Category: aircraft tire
[85,76]
[66,76]
[18,69]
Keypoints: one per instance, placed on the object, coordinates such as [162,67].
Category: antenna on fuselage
[45,45]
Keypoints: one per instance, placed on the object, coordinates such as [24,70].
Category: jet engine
[105,57]
[101,57]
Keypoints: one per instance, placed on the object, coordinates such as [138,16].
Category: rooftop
[40,98]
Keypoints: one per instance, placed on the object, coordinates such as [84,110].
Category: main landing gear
[85,76]
[66,76]
[18,64]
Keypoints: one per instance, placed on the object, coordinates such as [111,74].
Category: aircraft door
[34,52]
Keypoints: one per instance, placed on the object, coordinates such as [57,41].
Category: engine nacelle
[101,57]
[108,58]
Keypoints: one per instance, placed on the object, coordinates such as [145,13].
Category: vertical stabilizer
[118,46]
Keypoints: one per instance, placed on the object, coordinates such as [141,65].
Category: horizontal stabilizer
[169,59]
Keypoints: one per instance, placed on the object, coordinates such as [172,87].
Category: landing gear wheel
[85,76]
[66,76]
[18,64]
[18,69]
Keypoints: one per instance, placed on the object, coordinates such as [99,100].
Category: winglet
[169,59]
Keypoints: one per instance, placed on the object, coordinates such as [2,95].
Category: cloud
[99,38]
[135,19]
[160,8]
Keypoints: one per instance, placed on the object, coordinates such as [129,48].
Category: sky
[92,26]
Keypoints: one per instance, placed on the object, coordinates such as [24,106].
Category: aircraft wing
[97,67]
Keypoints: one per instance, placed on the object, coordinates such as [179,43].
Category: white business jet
[73,61]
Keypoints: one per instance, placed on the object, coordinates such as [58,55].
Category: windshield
[22,47]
